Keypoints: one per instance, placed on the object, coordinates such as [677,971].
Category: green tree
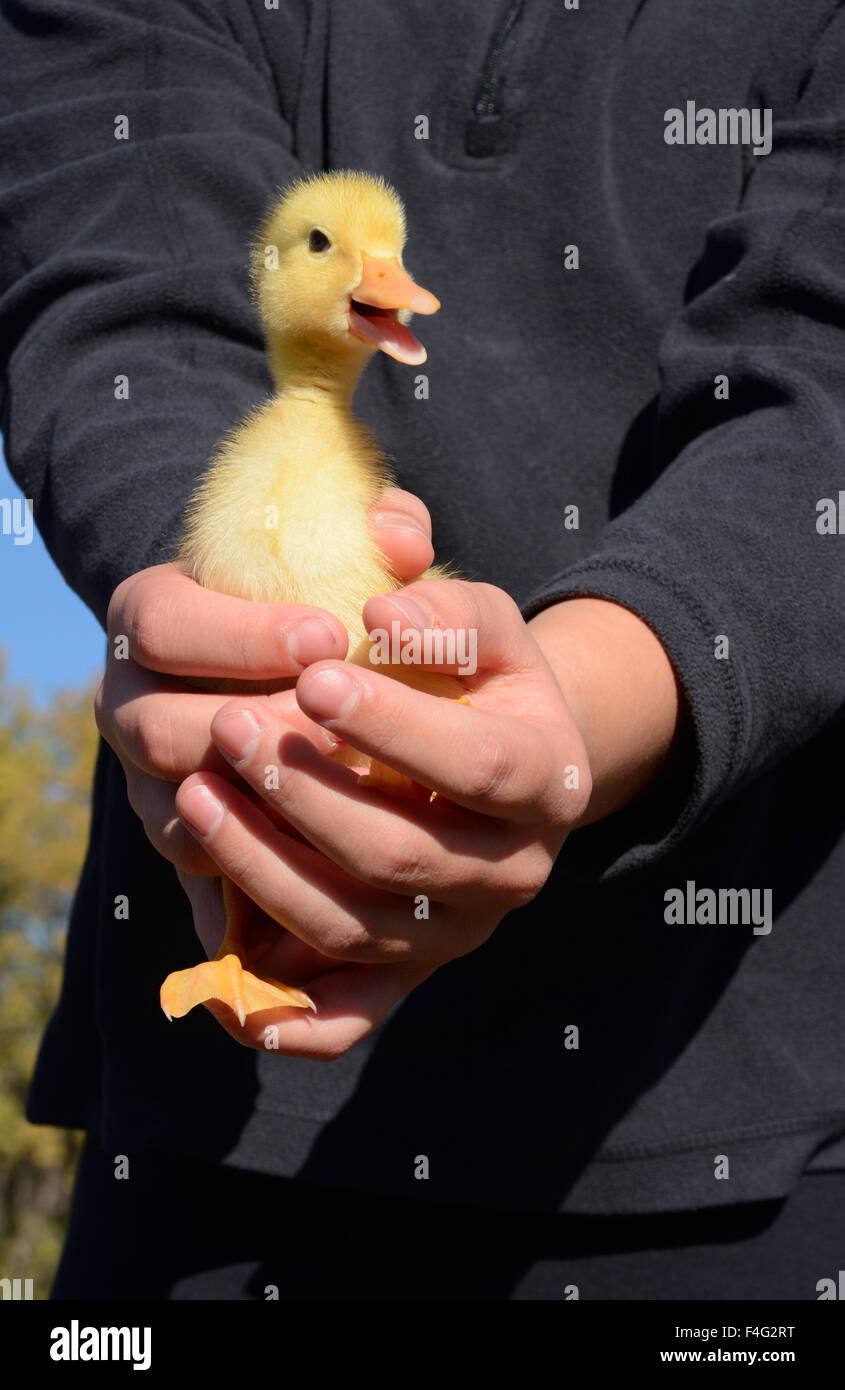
[46,764]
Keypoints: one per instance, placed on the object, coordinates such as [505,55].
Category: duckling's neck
[322,482]
[304,372]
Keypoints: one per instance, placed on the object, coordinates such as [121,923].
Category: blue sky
[49,637]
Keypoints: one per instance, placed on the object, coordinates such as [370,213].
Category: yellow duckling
[282,513]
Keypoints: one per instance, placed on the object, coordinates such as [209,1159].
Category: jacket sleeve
[140,141]
[728,555]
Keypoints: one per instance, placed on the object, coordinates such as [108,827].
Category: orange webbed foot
[225,979]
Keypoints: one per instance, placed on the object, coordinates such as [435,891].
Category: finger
[156,724]
[154,803]
[174,625]
[293,883]
[401,527]
[163,728]
[289,959]
[469,629]
[351,1001]
[397,845]
[484,761]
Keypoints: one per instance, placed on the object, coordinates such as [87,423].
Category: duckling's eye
[318,241]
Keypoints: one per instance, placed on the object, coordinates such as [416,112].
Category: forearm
[130,345]
[622,690]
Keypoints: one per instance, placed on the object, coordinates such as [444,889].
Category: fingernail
[201,809]
[311,640]
[236,734]
[413,611]
[331,694]
[399,521]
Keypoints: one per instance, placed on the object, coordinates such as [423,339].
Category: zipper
[484,128]
[488,98]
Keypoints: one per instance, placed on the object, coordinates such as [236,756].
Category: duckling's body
[282,513]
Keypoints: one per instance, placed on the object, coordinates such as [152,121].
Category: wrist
[622,692]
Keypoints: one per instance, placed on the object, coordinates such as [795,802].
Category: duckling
[282,512]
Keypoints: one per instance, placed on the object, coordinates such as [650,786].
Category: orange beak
[383,289]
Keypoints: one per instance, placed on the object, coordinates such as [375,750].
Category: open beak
[385,288]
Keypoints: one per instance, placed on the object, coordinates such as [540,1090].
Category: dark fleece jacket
[646,331]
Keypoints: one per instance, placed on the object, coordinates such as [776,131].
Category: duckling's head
[328,274]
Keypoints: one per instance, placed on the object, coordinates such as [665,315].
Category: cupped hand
[165,630]
[374,892]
